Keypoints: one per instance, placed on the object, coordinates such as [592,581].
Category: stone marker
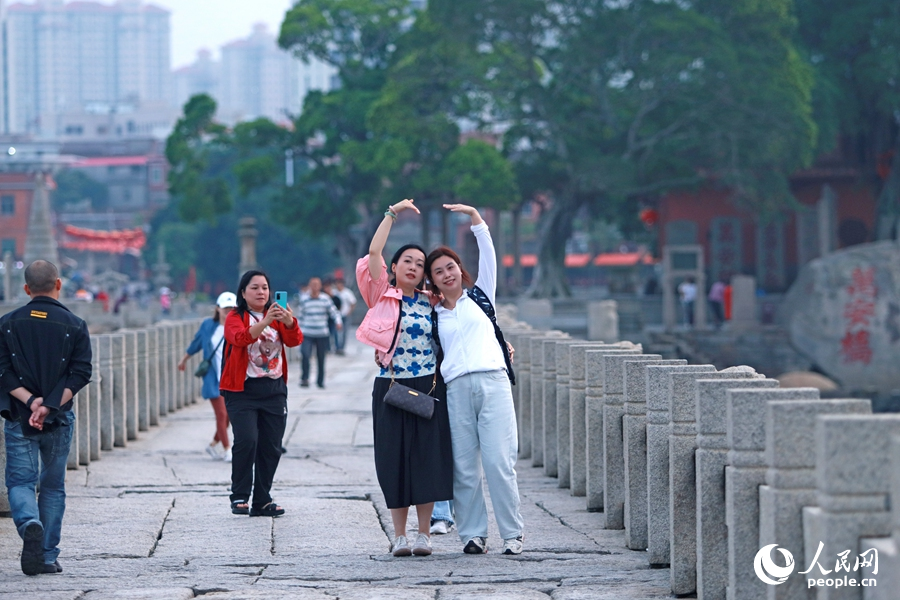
[790,479]
[95,401]
[536,353]
[162,364]
[153,375]
[746,471]
[852,485]
[613,448]
[142,360]
[683,473]
[634,438]
[563,418]
[132,391]
[658,410]
[523,392]
[711,459]
[548,431]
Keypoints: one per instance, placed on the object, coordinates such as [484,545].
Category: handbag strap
[216,349]
[433,379]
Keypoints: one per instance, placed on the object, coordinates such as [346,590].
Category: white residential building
[63,60]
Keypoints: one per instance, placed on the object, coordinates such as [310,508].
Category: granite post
[852,490]
[634,439]
[132,389]
[563,425]
[683,511]
[154,404]
[711,458]
[613,436]
[107,392]
[549,405]
[83,424]
[142,376]
[746,471]
[658,416]
[790,479]
[96,402]
[120,390]
[165,390]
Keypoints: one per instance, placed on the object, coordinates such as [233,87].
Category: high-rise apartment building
[255,78]
[86,58]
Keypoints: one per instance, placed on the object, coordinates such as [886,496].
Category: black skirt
[413,456]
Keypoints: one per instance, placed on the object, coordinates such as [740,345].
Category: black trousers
[306,348]
[258,418]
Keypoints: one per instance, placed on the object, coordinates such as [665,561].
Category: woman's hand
[512,352]
[466,210]
[183,364]
[288,317]
[276,313]
[403,205]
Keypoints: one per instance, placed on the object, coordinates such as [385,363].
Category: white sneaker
[441,527]
[400,547]
[514,545]
[422,547]
[227,455]
[214,452]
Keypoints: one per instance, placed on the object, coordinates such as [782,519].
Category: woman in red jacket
[254,383]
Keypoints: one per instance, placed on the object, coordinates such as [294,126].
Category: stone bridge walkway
[152,521]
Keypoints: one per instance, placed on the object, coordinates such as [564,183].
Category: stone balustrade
[704,468]
[135,382]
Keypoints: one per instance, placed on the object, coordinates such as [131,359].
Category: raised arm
[487,256]
[376,247]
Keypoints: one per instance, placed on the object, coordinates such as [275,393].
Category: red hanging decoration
[649,216]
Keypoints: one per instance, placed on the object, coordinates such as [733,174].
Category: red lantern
[649,216]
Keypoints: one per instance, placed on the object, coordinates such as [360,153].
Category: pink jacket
[378,327]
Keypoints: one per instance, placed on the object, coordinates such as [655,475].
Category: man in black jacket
[45,359]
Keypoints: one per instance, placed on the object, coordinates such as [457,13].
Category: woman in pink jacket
[413,456]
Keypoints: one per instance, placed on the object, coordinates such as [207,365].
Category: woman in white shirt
[479,397]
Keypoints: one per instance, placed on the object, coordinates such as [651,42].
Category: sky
[197,24]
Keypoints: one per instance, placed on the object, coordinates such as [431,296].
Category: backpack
[484,303]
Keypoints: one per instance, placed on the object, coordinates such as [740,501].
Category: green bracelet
[391,214]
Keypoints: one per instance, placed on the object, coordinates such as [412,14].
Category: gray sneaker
[514,545]
[422,547]
[400,547]
[476,545]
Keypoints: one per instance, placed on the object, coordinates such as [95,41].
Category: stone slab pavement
[152,521]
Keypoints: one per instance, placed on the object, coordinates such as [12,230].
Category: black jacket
[45,349]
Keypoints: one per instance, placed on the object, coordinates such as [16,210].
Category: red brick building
[837,210]
[16,192]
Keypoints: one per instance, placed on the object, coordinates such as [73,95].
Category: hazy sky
[210,23]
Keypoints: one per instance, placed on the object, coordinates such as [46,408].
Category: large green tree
[606,103]
[854,49]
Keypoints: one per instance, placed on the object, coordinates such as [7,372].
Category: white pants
[483,431]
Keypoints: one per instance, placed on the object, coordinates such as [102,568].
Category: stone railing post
[563,419]
[523,393]
[548,431]
[711,458]
[154,389]
[659,390]
[634,440]
[107,392]
[83,424]
[142,375]
[683,516]
[613,448]
[852,486]
[536,352]
[790,479]
[165,386]
[120,390]
[132,389]
[96,402]
[746,471]
[4,495]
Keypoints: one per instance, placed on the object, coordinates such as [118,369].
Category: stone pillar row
[136,381]
[702,468]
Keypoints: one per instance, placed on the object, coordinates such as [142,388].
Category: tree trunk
[888,207]
[550,273]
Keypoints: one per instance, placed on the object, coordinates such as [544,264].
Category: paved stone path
[152,521]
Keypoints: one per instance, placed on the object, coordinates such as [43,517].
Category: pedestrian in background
[687,290]
[315,309]
[254,383]
[413,457]
[45,359]
[347,304]
[717,301]
[477,367]
[210,339]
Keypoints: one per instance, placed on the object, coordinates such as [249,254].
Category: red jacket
[237,334]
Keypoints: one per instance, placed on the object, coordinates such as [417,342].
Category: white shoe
[422,547]
[514,545]
[214,452]
[441,527]
[227,455]
[400,547]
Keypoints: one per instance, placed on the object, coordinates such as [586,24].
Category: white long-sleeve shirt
[466,334]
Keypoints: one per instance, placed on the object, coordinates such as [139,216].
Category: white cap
[226,300]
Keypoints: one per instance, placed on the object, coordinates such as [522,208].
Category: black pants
[306,348]
[258,418]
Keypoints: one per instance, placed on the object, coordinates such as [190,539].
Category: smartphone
[281,299]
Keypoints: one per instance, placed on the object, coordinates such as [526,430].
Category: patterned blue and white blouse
[414,356]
